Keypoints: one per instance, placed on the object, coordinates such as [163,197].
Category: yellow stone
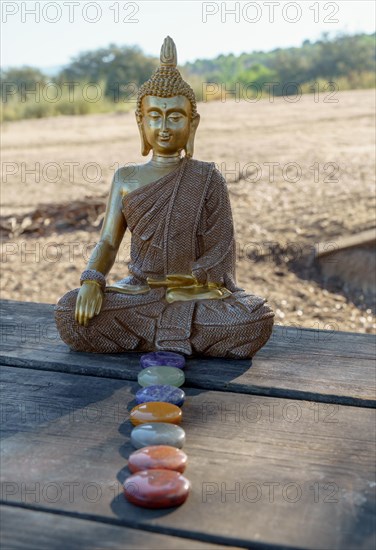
[156,411]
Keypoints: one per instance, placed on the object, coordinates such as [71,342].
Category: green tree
[18,81]
[120,67]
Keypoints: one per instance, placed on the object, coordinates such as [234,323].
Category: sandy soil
[322,188]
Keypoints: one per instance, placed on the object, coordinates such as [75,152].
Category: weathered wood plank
[25,529]
[297,363]
[363,238]
[32,322]
[264,471]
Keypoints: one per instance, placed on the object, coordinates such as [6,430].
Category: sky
[48,34]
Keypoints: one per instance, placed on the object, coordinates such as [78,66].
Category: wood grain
[43,531]
[331,367]
[265,471]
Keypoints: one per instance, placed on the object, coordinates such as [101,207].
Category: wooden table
[281,450]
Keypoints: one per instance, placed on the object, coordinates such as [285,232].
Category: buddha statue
[180,293]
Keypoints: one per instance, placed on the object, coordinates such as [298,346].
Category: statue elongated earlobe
[145,147]
[189,148]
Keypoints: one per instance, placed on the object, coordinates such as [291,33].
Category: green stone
[161,375]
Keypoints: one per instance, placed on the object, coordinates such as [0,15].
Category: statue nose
[164,124]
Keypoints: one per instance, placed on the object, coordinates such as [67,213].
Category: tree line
[107,79]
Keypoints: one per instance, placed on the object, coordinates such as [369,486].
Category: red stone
[156,488]
[162,457]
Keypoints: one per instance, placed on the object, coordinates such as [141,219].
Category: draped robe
[180,224]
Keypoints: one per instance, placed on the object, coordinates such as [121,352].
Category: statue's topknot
[166,80]
[168,57]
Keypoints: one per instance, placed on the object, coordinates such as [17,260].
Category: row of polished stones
[158,464]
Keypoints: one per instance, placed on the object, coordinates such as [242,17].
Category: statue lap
[146,322]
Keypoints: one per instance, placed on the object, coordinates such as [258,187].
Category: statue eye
[175,117]
[154,115]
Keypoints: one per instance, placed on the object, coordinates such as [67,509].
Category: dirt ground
[322,188]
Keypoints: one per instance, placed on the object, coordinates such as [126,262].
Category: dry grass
[304,212]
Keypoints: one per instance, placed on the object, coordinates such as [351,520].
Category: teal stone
[157,433]
[152,376]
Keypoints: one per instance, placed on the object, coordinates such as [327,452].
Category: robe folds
[180,224]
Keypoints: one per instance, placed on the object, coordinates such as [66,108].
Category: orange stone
[156,411]
[157,488]
[162,457]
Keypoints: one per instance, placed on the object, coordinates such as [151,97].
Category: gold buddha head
[166,111]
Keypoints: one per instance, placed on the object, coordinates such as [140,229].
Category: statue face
[166,123]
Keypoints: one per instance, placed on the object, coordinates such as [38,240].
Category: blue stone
[161,392]
[162,358]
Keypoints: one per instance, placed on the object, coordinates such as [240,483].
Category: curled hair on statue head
[166,80]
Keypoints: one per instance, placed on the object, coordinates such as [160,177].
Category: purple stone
[162,392]
[162,358]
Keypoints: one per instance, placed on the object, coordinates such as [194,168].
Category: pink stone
[161,457]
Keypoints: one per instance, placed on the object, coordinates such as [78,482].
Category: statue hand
[200,275]
[89,302]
